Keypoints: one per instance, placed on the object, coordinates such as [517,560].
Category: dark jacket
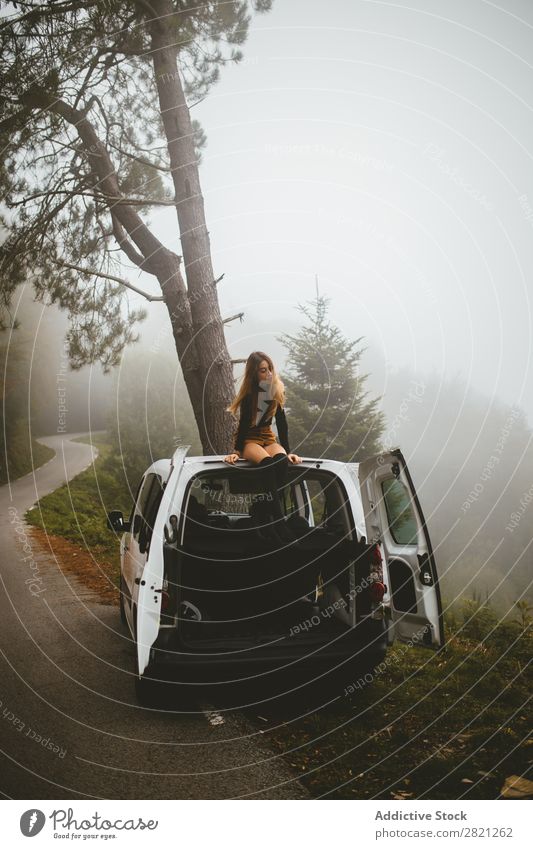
[245,429]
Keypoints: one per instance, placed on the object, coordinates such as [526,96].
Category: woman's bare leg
[274,449]
[254,452]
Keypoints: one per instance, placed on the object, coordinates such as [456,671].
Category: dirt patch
[97,574]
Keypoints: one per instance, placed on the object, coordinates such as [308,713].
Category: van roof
[220,457]
[206,459]
[162,467]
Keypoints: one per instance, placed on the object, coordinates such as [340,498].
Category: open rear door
[394,517]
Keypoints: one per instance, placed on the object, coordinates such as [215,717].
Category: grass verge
[21,460]
[430,726]
[77,513]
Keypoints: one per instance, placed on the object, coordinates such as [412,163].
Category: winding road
[70,726]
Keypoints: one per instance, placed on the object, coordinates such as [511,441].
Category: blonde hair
[250,382]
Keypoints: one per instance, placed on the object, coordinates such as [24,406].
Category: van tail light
[165,601]
[377,591]
[376,563]
[375,555]
[377,588]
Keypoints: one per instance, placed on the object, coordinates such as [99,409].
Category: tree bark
[214,362]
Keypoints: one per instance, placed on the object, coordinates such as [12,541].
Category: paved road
[70,726]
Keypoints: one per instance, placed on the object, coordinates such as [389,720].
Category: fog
[51,396]
[386,149]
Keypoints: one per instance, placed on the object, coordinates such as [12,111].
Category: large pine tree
[328,409]
[95,129]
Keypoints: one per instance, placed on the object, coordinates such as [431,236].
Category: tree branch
[160,261]
[129,249]
[238,315]
[50,9]
[114,200]
[139,158]
[94,272]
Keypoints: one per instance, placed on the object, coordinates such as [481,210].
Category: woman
[260,398]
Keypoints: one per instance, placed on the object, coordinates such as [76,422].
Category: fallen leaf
[516,787]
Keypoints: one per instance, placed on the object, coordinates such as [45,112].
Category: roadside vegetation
[19,451]
[24,455]
[77,511]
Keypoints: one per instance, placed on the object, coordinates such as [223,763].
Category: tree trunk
[169,277]
[214,362]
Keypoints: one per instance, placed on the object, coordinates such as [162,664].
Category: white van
[207,597]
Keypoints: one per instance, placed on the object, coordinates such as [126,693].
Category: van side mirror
[115,522]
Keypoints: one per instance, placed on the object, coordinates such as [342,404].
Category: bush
[478,619]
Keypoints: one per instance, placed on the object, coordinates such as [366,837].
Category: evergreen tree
[327,404]
[19,452]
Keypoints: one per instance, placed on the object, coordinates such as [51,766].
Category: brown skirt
[261,436]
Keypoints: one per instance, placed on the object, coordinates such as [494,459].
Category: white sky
[387,148]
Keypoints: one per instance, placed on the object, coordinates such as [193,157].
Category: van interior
[226,579]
